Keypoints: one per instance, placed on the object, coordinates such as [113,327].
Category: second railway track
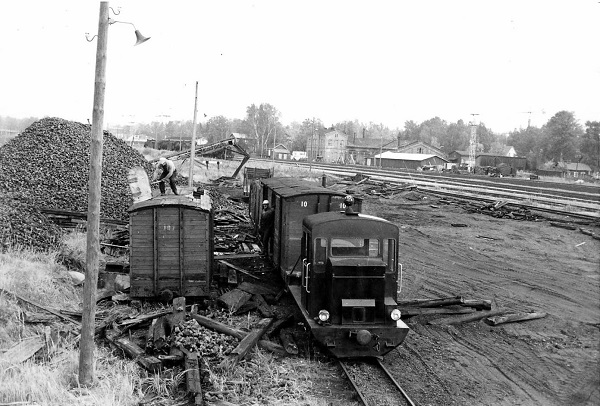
[558,197]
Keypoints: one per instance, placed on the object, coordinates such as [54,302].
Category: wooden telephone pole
[86,347]
[193,146]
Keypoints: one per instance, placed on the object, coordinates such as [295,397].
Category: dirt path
[520,266]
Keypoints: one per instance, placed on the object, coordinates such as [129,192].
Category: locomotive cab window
[389,254]
[355,247]
[320,251]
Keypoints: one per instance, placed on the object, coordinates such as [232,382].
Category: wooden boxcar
[293,199]
[171,246]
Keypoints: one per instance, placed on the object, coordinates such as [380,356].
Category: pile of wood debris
[463,311]
[363,186]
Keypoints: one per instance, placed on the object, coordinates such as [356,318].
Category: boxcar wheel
[166,295]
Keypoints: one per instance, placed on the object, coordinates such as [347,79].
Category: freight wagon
[171,246]
[292,199]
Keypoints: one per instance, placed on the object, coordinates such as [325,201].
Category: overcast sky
[376,61]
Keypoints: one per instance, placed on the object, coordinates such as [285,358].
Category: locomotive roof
[203,203]
[335,216]
[288,187]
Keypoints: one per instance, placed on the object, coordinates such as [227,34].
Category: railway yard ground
[449,250]
[446,250]
[522,266]
[519,262]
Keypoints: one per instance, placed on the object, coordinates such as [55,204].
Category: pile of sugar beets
[47,166]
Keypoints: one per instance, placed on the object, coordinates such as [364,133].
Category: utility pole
[312,137]
[381,151]
[274,138]
[88,320]
[193,146]
[473,143]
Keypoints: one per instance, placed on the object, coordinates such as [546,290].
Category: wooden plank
[466,318]
[134,351]
[279,323]
[238,256]
[218,327]
[178,311]
[23,350]
[443,310]
[234,299]
[38,317]
[237,268]
[431,302]
[225,329]
[256,289]
[244,347]
[192,374]
[54,312]
[160,333]
[514,317]
[263,307]
[478,304]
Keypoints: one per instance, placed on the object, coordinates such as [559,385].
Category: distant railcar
[292,199]
[340,266]
[171,246]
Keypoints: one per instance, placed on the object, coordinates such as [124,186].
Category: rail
[361,392]
[568,199]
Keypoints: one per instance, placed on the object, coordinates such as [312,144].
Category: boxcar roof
[288,187]
[174,200]
[315,220]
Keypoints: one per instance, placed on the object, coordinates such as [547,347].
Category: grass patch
[51,378]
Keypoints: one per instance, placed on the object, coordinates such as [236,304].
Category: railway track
[374,384]
[556,197]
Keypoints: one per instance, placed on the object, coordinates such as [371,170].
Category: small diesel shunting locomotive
[341,266]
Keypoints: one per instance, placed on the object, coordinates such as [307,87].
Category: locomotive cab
[349,282]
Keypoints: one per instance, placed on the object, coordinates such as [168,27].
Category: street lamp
[86,349]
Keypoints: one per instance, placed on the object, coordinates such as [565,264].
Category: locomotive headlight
[395,314]
[323,315]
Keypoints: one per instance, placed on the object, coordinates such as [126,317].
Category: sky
[500,63]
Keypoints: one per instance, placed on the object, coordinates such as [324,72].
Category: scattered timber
[514,317]
[458,300]
[478,304]
[54,312]
[159,334]
[192,377]
[237,268]
[256,289]
[262,306]
[134,351]
[247,343]
[466,318]
[38,317]
[408,312]
[218,327]
[234,299]
[23,350]
[562,225]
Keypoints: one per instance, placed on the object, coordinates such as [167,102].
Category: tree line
[561,139]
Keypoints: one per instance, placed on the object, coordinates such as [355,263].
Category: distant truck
[299,156]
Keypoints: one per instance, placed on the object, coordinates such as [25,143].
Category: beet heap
[47,166]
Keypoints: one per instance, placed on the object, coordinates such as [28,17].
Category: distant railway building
[402,160]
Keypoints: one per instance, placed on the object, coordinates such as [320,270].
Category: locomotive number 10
[303,203]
